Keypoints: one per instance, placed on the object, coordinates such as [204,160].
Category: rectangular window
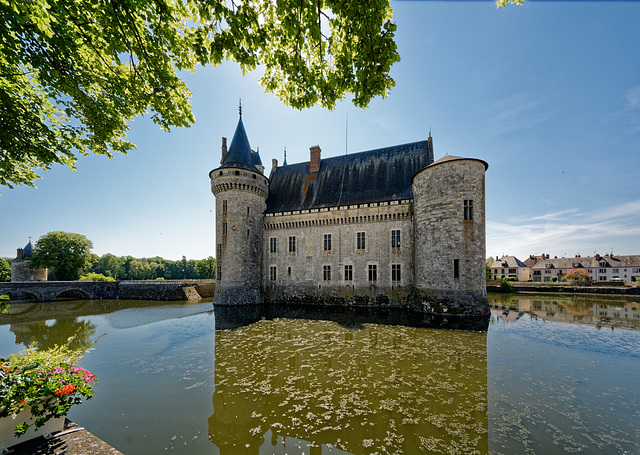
[327,242]
[615,271]
[219,250]
[395,273]
[636,270]
[224,206]
[536,272]
[456,268]
[273,245]
[289,271]
[373,273]
[348,273]
[224,228]
[468,209]
[360,239]
[292,244]
[219,273]
[602,270]
[395,238]
[273,274]
[547,272]
[326,273]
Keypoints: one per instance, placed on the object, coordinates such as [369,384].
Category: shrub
[506,286]
[554,279]
[96,277]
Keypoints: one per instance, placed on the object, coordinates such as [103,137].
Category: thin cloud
[629,115]
[568,232]
[514,113]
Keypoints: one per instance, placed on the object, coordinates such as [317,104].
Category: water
[549,376]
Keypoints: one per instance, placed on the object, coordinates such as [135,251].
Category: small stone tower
[240,189]
[449,227]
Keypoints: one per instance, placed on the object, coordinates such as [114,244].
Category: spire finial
[240,107]
[285,156]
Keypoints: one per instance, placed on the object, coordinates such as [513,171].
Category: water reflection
[319,385]
[599,312]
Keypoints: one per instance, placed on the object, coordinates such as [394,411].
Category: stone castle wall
[450,250]
[240,202]
[312,273]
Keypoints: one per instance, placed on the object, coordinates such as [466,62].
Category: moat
[552,374]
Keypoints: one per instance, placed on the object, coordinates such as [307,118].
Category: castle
[385,227]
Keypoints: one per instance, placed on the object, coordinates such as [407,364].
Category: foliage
[488,263]
[554,279]
[578,277]
[5,269]
[506,286]
[503,3]
[206,268]
[73,73]
[64,252]
[130,268]
[96,277]
[48,382]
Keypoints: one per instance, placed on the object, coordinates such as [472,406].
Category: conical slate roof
[239,155]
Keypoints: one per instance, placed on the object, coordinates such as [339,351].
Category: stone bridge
[46,291]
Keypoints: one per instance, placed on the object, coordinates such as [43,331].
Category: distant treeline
[130,268]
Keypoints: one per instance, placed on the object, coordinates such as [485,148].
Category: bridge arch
[72,293]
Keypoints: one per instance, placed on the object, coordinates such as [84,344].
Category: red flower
[66,390]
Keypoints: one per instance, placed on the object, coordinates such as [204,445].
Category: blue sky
[547,93]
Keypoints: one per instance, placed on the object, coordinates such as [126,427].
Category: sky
[547,93]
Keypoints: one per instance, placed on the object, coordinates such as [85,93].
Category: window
[327,242]
[224,206]
[373,273]
[248,210]
[292,244]
[456,268]
[289,271]
[273,245]
[219,273]
[326,273]
[536,272]
[395,273]
[547,272]
[468,210]
[348,273]
[615,271]
[512,270]
[602,270]
[273,273]
[219,250]
[224,228]
[636,270]
[395,238]
[360,241]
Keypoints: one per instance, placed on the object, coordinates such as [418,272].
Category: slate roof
[239,154]
[589,262]
[507,261]
[376,175]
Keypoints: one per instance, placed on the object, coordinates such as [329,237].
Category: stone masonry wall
[240,202]
[444,238]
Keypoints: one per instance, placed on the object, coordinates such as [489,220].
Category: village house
[510,267]
[600,268]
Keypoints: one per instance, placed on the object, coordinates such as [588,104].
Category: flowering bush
[47,381]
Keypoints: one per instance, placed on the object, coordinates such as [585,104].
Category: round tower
[449,227]
[240,190]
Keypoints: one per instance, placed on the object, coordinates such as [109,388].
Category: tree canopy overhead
[74,72]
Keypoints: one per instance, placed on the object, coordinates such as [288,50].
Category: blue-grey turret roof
[240,155]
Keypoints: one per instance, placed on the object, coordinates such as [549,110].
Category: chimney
[20,254]
[597,257]
[224,150]
[274,166]
[314,164]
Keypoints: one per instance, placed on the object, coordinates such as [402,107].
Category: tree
[578,277]
[206,268]
[503,3]
[67,254]
[5,269]
[73,73]
[488,263]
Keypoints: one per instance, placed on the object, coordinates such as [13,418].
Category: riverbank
[522,288]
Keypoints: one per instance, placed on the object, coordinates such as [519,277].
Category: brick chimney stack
[315,158]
